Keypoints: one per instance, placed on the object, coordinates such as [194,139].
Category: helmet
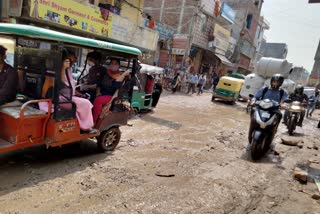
[276,81]
[299,90]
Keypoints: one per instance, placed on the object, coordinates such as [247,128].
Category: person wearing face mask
[83,111]
[110,83]
[8,79]
[94,77]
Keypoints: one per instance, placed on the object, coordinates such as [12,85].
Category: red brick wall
[163,58]
[171,12]
[201,38]
[244,6]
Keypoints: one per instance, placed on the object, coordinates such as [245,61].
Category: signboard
[221,37]
[228,13]
[177,51]
[164,31]
[125,31]
[72,14]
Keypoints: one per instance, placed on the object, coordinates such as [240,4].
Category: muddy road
[188,156]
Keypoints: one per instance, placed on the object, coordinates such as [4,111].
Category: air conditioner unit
[211,44]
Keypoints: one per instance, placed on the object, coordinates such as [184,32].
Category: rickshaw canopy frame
[46,34]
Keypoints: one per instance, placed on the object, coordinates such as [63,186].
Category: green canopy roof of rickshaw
[42,33]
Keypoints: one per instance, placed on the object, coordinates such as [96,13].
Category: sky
[297,23]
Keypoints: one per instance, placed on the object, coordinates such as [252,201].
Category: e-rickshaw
[37,58]
[143,92]
[228,89]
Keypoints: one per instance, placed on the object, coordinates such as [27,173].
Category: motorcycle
[294,113]
[265,119]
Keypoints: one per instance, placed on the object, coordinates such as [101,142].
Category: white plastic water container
[252,83]
[267,67]
[288,85]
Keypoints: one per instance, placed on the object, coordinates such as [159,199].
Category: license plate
[265,115]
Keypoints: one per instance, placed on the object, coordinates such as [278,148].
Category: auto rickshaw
[37,58]
[237,75]
[228,89]
[143,92]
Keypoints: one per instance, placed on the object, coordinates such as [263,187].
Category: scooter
[265,119]
[294,114]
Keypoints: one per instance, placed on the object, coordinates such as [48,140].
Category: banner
[73,14]
[221,37]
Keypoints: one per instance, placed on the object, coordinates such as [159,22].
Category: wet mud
[186,156]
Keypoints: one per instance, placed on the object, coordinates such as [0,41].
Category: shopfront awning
[224,60]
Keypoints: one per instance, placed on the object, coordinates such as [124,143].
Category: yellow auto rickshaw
[228,89]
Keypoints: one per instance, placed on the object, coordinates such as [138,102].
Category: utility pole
[161,10]
[190,33]
[181,16]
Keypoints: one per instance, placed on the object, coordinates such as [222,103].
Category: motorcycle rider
[274,93]
[297,95]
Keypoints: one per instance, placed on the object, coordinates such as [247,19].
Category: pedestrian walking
[176,82]
[201,83]
[312,103]
[193,80]
[215,81]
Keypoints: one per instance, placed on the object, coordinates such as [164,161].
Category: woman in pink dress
[84,106]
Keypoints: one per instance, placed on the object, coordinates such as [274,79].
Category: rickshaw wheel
[109,139]
[133,112]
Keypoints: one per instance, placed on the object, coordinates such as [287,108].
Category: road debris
[165,175]
[290,141]
[300,175]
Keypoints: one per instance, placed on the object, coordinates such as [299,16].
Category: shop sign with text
[73,15]
[178,51]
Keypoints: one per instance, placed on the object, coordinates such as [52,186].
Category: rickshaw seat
[14,111]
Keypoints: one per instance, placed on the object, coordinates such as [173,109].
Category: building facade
[109,20]
[315,73]
[260,39]
[275,50]
[200,33]
[244,32]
